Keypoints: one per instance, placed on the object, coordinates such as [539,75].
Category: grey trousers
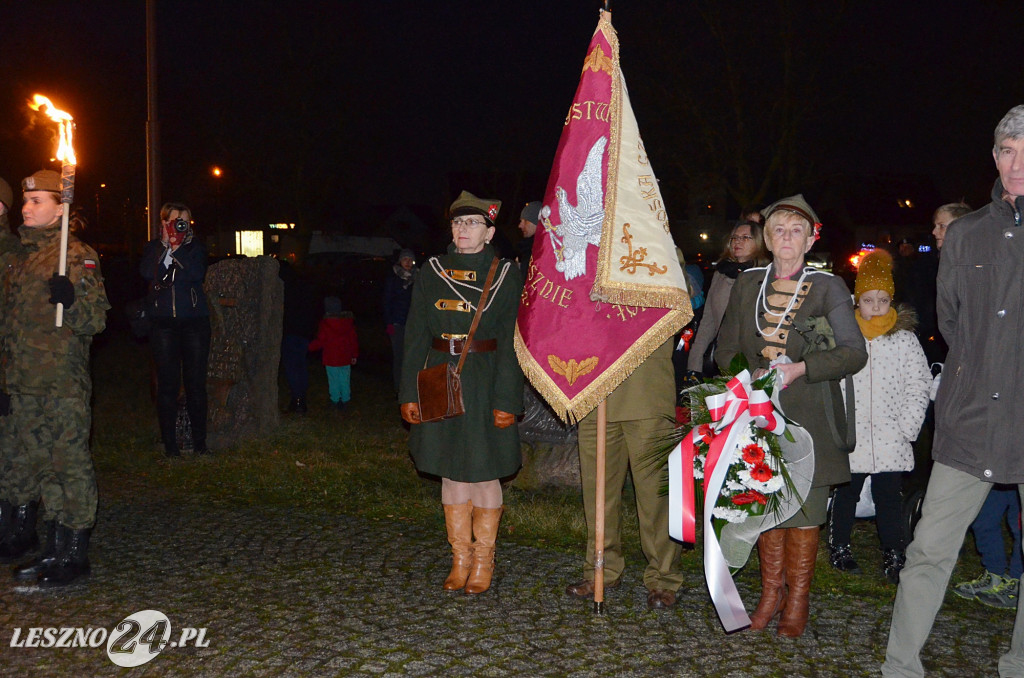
[951,503]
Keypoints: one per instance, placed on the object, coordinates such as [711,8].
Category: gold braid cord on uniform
[780,294]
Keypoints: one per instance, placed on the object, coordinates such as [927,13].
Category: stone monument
[246,307]
[550,450]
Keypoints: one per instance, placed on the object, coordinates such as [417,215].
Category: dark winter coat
[468,448]
[175,291]
[803,400]
[979,410]
[337,338]
[398,296]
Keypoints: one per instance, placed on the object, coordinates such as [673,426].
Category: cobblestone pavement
[301,595]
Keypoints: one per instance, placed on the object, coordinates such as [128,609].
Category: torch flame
[65,150]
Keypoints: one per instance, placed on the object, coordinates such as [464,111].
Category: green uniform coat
[803,400]
[468,448]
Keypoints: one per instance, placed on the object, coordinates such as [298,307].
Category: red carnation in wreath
[749,497]
[753,454]
[762,473]
[706,433]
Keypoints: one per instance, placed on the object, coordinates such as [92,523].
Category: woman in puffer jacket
[891,395]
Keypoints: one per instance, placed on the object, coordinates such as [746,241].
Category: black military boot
[22,538]
[6,518]
[72,563]
[55,540]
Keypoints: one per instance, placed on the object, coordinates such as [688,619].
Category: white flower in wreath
[734,486]
[730,515]
[747,438]
[770,486]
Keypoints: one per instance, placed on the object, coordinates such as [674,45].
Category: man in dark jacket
[528,220]
[980,404]
[397,297]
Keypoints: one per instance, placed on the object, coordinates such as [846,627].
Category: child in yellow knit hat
[891,396]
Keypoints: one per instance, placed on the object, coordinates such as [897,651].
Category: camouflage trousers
[7,449]
[49,437]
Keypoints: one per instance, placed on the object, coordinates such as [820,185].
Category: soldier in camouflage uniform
[46,370]
[9,245]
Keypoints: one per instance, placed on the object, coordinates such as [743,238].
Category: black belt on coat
[454,346]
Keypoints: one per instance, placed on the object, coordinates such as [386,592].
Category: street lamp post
[218,174]
[97,221]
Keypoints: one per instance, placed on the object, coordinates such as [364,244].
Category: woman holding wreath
[471,452]
[772,314]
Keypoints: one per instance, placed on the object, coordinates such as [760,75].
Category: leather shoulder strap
[479,310]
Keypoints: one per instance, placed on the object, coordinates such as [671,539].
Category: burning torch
[66,154]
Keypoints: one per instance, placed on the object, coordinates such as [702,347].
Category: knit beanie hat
[407,253]
[874,273]
[531,212]
[332,306]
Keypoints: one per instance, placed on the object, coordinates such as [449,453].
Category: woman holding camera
[174,266]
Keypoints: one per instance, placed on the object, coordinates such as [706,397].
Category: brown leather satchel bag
[439,388]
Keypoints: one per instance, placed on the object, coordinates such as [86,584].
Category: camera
[180,225]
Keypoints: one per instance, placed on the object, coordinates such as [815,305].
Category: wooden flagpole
[602,430]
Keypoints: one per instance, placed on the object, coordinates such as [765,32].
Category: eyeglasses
[468,223]
[740,238]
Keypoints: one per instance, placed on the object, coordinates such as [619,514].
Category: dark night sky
[377,102]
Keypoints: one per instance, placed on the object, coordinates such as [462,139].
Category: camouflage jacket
[39,358]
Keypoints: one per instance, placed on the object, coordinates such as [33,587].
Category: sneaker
[1003,596]
[983,584]
[841,558]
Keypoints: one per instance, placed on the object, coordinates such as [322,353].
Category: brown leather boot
[485,529]
[458,519]
[801,553]
[771,549]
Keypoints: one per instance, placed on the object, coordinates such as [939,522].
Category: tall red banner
[605,286]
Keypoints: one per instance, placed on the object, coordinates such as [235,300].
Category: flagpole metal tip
[599,608]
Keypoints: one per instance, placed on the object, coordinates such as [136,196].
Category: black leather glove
[5,404]
[62,291]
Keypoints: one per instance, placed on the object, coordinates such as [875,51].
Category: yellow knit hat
[874,273]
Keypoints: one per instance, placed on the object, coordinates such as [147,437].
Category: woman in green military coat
[768,310]
[472,452]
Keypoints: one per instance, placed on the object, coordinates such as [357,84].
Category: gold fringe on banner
[571,411]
